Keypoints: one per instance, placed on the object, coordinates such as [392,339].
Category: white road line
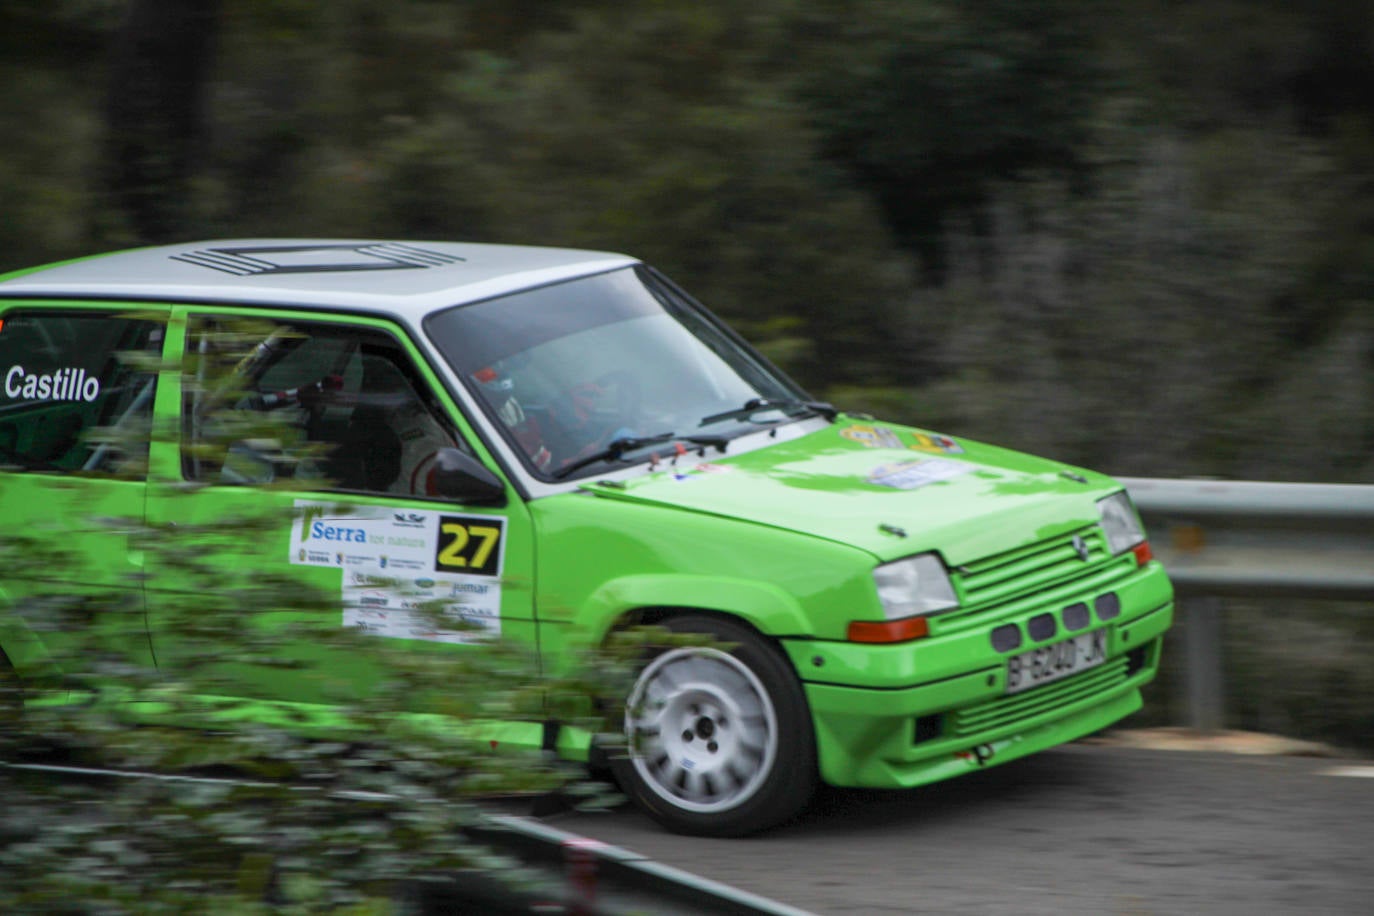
[1365,772]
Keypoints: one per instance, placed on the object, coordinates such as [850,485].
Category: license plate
[1057,660]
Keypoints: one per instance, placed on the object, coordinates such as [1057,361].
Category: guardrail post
[581,866]
[1202,631]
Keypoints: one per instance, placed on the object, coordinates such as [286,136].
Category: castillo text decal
[62,385]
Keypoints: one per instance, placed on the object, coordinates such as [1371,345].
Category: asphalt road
[1082,829]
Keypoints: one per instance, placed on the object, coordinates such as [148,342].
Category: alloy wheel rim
[702,728]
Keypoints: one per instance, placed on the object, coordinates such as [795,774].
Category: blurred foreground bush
[336,806]
[316,820]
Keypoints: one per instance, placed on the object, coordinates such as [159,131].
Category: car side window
[74,395]
[345,408]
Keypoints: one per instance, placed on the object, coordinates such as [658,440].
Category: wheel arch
[649,599]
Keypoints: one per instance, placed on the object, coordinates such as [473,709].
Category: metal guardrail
[642,884]
[1221,538]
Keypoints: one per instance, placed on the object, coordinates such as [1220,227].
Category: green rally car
[561,443]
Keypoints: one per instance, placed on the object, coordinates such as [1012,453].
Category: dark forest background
[1137,235]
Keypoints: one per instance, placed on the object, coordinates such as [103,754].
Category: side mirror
[461,477]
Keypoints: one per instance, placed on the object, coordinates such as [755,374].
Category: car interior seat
[367,456]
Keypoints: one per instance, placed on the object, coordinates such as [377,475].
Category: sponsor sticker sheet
[396,561]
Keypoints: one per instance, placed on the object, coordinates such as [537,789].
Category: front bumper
[880,723]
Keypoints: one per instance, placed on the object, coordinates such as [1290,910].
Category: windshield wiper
[756,405]
[613,450]
[618,447]
[719,443]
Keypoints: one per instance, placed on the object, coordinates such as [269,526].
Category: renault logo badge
[1081,546]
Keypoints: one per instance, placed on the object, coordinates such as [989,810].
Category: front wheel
[720,742]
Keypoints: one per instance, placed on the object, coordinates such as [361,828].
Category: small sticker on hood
[908,475]
[934,442]
[874,436]
[871,436]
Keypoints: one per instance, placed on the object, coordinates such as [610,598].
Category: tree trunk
[155,113]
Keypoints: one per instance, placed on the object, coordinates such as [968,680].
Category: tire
[719,743]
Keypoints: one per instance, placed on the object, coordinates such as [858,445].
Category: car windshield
[611,365]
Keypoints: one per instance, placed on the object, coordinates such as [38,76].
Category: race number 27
[469,544]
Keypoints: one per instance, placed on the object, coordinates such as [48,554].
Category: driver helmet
[499,393]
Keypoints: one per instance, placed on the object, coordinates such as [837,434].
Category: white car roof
[409,279]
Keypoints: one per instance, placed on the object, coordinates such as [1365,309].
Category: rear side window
[74,395]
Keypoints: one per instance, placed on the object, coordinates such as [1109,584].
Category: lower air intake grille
[1020,707]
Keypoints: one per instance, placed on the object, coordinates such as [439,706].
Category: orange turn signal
[1143,553]
[888,631]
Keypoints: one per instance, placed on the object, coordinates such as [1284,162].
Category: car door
[76,392]
[303,467]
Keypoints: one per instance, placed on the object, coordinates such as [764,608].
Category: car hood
[890,490]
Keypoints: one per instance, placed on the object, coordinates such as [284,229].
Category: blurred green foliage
[264,807]
[1135,236]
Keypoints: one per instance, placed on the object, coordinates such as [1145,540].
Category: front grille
[1000,578]
[1020,707]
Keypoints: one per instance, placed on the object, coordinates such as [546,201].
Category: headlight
[1120,523]
[916,585]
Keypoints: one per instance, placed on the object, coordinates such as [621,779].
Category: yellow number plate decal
[469,544]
